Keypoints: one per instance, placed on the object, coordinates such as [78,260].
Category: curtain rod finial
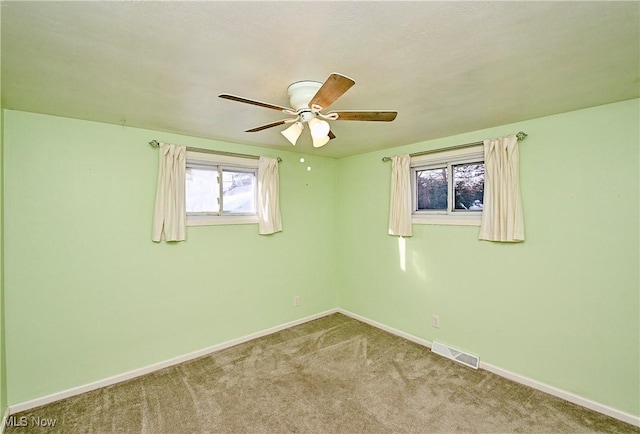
[521,135]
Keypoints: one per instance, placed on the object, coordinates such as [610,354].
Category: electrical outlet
[435,321]
[296,301]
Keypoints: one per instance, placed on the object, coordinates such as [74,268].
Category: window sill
[221,220]
[443,219]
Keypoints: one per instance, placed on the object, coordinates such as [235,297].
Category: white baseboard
[386,328]
[563,394]
[567,396]
[28,405]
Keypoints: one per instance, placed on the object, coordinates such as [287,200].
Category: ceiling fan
[309,99]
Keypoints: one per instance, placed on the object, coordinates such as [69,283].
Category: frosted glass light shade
[293,132]
[319,142]
[319,128]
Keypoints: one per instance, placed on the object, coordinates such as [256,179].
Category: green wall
[561,308]
[89,295]
[3,364]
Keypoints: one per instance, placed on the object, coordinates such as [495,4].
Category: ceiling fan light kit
[293,132]
[319,128]
[309,99]
[319,142]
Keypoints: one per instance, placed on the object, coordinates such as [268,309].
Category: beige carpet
[332,375]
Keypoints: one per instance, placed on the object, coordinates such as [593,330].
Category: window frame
[221,163]
[447,159]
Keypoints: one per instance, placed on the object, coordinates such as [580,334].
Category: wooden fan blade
[332,89]
[331,135]
[264,127]
[253,102]
[373,115]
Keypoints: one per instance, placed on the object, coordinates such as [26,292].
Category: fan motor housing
[301,92]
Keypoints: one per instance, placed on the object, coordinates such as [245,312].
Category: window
[220,189]
[448,187]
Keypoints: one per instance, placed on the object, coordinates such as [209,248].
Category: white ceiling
[446,67]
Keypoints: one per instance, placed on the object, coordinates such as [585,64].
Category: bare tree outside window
[448,187]
[468,182]
[432,189]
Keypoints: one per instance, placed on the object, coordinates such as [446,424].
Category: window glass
[447,187]
[431,186]
[468,184]
[220,189]
[239,191]
[202,190]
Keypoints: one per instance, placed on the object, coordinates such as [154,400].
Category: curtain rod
[520,136]
[155,144]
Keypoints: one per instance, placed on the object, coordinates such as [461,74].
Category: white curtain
[400,209]
[169,216]
[502,218]
[269,218]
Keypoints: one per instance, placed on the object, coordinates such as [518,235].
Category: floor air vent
[457,355]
